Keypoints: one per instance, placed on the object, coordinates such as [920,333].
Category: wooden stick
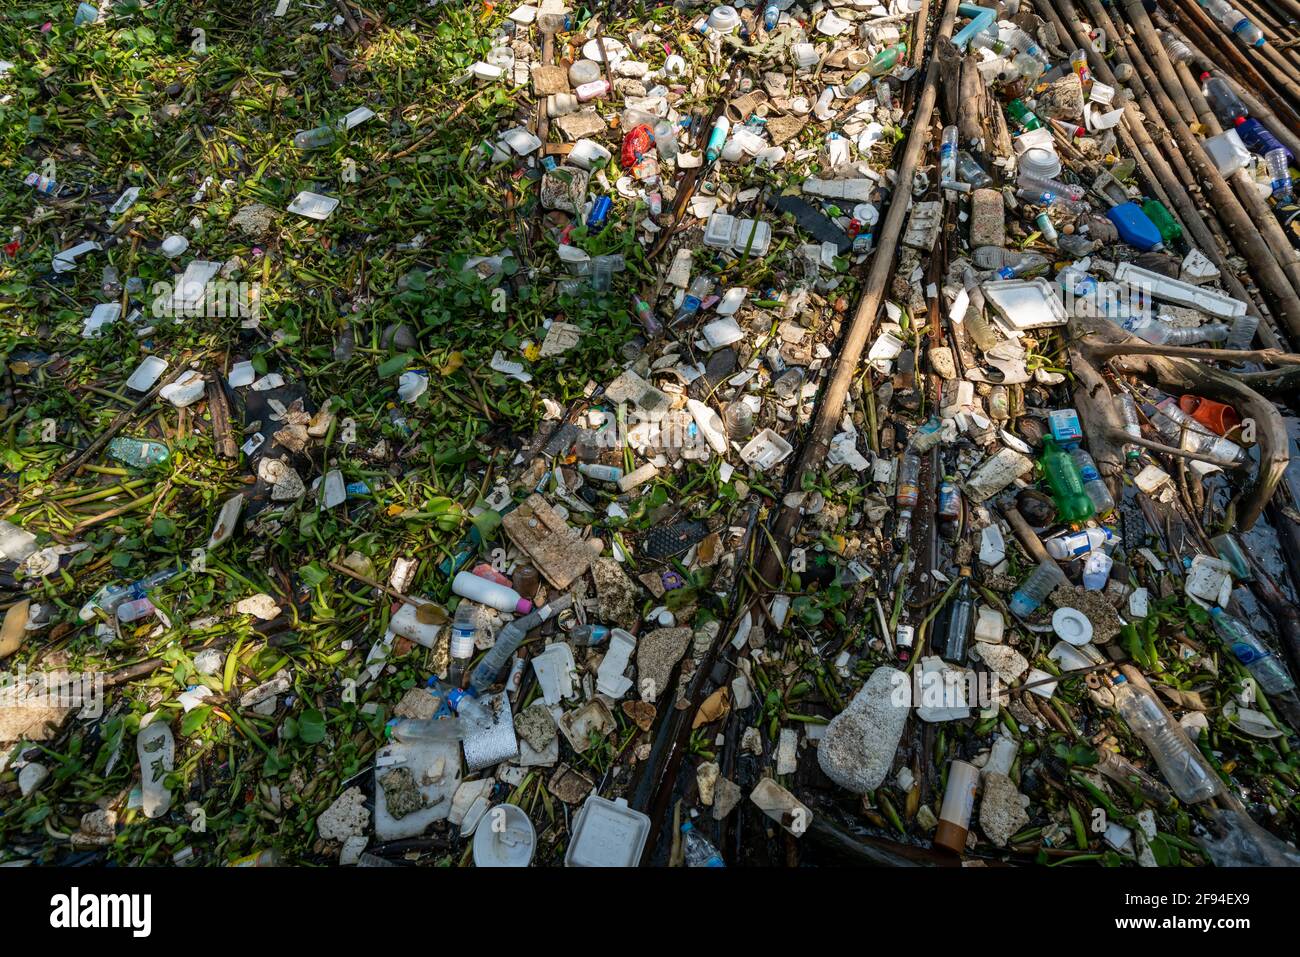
[830,406]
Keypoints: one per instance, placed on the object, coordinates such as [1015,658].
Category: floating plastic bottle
[1079,63]
[970,171]
[885,61]
[1129,414]
[1235,22]
[1170,228]
[909,478]
[1160,333]
[589,634]
[318,138]
[1024,116]
[1033,591]
[701,286]
[1065,484]
[1024,42]
[464,632]
[1227,106]
[1179,427]
[960,621]
[1179,761]
[1093,485]
[1039,197]
[425,730]
[1031,68]
[1178,51]
[1279,175]
[1070,545]
[699,850]
[508,641]
[771,16]
[1029,182]
[1253,653]
[948,155]
[1027,265]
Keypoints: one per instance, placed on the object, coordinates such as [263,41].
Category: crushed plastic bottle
[698,849]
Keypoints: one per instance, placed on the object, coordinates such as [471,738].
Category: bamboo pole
[830,407]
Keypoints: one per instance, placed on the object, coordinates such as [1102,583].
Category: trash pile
[694,435]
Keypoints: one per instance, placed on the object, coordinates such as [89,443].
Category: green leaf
[394,365]
[163,527]
[194,720]
[311,726]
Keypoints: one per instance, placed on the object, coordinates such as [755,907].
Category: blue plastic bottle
[1135,227]
[1258,138]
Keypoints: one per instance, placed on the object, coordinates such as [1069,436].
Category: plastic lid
[523,606]
[1238,121]
[1204,74]
[1119,679]
[687,826]
[724,19]
[1072,626]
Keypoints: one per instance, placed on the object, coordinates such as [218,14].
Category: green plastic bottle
[1065,484]
[886,59]
[1024,116]
[1164,220]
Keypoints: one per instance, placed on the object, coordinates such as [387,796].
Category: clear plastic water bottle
[464,632]
[1042,197]
[1253,653]
[1160,333]
[1024,42]
[970,171]
[948,155]
[1279,174]
[1179,761]
[701,286]
[321,136]
[699,850]
[425,730]
[1128,412]
[1227,106]
[1028,181]
[1102,501]
[1178,51]
[771,15]
[1033,591]
[1027,66]
[1177,426]
[464,702]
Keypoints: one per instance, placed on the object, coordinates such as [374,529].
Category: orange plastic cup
[1215,416]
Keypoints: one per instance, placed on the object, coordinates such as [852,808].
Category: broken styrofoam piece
[995,473]
[782,806]
[555,669]
[1209,579]
[1211,301]
[610,679]
[859,745]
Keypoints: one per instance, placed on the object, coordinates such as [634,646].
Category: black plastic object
[812,221]
[673,539]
